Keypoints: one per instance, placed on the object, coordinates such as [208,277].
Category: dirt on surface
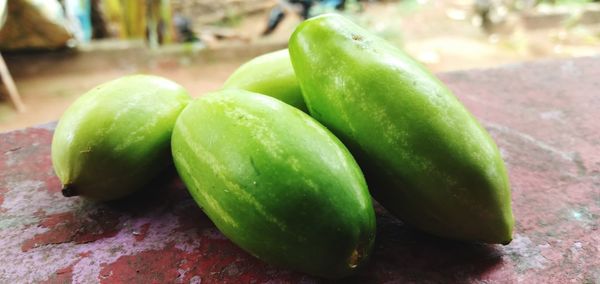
[441,34]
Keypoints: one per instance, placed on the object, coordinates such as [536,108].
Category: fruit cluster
[286,186]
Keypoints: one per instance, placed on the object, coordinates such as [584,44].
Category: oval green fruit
[112,140]
[425,157]
[275,182]
[270,74]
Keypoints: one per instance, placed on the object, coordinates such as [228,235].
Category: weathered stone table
[544,116]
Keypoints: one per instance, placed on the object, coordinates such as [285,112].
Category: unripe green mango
[276,182]
[425,157]
[115,138]
[270,74]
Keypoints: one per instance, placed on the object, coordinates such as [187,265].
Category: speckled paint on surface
[544,116]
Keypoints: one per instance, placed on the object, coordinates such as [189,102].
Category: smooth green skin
[115,138]
[270,74]
[425,157]
[275,182]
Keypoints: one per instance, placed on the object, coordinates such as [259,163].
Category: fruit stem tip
[68,190]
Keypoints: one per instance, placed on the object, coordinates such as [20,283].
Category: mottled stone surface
[544,116]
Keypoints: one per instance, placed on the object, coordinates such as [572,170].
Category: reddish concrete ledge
[544,117]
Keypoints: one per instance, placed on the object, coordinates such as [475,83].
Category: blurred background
[55,50]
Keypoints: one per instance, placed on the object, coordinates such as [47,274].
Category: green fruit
[276,182]
[425,157]
[270,74]
[112,140]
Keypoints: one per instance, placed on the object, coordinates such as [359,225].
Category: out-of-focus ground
[444,35]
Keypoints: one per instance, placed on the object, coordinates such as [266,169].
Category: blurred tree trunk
[133,22]
[148,19]
[99,24]
[159,22]
[166,16]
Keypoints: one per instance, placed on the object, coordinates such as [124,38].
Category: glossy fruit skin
[425,157]
[115,138]
[270,74]
[275,182]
